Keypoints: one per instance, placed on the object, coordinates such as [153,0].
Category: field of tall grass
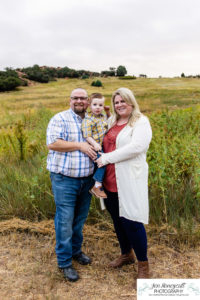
[173,107]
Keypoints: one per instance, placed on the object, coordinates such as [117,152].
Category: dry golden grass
[28,268]
[151,93]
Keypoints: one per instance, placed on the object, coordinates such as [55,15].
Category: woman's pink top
[109,145]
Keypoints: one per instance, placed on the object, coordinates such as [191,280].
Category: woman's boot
[143,272]
[143,269]
[123,259]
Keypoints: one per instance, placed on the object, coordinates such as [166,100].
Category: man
[70,163]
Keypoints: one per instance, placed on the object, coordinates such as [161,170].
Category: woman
[126,178]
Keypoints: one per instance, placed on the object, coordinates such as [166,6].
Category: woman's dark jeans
[130,234]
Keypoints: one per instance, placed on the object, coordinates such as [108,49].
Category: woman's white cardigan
[131,169]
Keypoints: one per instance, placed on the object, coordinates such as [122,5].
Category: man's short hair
[79,89]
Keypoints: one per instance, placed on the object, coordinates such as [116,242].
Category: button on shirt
[66,125]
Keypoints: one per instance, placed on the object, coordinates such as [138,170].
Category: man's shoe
[98,192]
[123,259]
[70,273]
[82,259]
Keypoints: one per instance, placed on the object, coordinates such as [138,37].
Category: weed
[173,156]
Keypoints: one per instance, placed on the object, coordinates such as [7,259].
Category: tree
[182,75]
[143,75]
[112,71]
[105,73]
[121,71]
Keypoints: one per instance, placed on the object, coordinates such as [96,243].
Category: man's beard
[79,109]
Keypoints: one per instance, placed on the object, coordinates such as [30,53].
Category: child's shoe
[98,192]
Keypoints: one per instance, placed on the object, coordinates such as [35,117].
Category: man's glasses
[77,98]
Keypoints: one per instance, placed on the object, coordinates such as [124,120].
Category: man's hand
[88,149]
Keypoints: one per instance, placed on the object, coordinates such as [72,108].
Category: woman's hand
[99,161]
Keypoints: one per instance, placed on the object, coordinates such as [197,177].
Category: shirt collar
[90,114]
[75,115]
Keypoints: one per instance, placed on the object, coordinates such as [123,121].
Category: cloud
[153,37]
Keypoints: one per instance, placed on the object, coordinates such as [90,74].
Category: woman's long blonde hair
[129,98]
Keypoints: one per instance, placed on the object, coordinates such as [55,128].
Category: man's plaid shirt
[66,125]
[95,127]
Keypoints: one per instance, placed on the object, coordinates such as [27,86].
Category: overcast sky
[153,37]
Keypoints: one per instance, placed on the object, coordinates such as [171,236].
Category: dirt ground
[28,268]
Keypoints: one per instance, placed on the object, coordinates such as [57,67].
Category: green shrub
[127,77]
[96,83]
[85,76]
[9,80]
[9,73]
[24,82]
[9,83]
[111,72]
[38,76]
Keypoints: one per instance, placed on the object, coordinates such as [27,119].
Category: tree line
[190,76]
[10,79]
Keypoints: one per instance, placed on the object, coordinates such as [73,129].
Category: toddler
[94,127]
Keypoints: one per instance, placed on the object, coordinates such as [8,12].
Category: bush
[9,73]
[85,76]
[9,83]
[106,73]
[143,75]
[9,80]
[127,77]
[24,82]
[96,83]
[38,76]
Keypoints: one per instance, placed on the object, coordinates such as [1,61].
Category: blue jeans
[99,172]
[72,199]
